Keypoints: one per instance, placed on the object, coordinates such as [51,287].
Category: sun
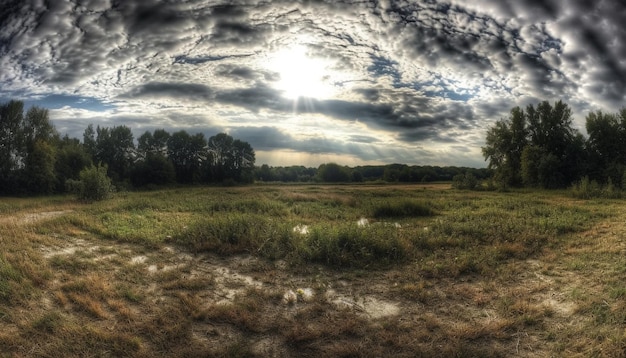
[302,75]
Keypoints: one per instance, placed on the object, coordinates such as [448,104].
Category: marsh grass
[402,209]
[459,262]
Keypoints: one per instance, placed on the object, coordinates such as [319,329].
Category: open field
[313,270]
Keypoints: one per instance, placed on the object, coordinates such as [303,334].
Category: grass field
[314,270]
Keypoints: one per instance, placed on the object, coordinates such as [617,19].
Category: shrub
[94,184]
[465,181]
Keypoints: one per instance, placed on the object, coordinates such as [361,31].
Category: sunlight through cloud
[302,75]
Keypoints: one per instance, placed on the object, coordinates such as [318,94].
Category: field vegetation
[314,270]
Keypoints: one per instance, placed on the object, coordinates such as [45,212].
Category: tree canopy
[539,147]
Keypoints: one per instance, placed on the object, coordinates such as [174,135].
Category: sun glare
[301,75]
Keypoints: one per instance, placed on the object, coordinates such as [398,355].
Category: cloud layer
[387,81]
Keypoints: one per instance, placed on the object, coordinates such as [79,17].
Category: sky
[310,82]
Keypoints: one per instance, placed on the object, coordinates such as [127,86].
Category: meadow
[313,270]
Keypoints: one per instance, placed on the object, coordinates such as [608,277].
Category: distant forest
[35,159]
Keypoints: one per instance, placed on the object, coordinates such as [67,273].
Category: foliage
[154,169]
[536,147]
[95,184]
[333,173]
[115,148]
[230,158]
[465,181]
[27,155]
[187,153]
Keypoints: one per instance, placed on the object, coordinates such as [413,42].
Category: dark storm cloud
[401,114]
[189,91]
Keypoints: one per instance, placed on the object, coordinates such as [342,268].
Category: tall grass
[402,209]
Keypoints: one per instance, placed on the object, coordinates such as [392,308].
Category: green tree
[504,145]
[153,169]
[230,158]
[115,147]
[27,155]
[11,149]
[556,151]
[187,154]
[89,141]
[71,159]
[606,145]
[154,143]
[333,173]
[39,176]
[243,161]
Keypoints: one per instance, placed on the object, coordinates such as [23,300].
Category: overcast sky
[308,82]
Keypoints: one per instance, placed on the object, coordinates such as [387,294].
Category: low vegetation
[313,270]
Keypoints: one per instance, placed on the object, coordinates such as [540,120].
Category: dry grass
[489,274]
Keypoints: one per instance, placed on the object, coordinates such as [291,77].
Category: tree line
[539,147]
[35,159]
[390,173]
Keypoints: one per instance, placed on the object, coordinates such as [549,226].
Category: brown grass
[72,292]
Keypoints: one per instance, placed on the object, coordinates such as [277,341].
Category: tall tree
[154,143]
[187,153]
[39,176]
[153,165]
[230,158]
[115,147]
[27,155]
[606,145]
[504,146]
[537,147]
[11,150]
[71,158]
[89,141]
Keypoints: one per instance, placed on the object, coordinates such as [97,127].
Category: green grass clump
[226,234]
[10,279]
[350,245]
[402,209]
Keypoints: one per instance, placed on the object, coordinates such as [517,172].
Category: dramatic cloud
[356,82]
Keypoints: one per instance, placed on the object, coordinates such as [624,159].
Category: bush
[94,184]
[465,181]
